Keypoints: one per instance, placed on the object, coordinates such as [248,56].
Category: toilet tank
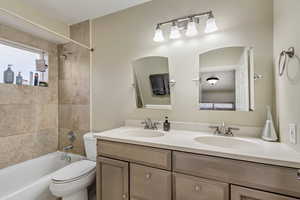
[90,145]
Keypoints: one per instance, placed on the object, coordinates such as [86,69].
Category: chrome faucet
[224,130]
[65,155]
[148,124]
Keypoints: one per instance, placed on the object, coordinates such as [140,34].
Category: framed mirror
[226,78]
[152,82]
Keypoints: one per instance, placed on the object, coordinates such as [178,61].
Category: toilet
[71,182]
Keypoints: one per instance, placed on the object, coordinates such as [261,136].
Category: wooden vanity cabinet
[148,183]
[135,172]
[242,193]
[112,179]
[193,188]
[282,180]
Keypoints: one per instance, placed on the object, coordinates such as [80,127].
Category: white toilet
[71,182]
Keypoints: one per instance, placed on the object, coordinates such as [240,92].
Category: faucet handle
[217,129]
[155,124]
[230,129]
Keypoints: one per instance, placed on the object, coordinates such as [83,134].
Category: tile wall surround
[28,115]
[74,88]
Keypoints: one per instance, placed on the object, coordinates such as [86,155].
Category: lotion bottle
[8,75]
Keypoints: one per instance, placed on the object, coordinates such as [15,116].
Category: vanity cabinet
[241,193]
[153,157]
[112,179]
[148,183]
[193,188]
[271,178]
[135,172]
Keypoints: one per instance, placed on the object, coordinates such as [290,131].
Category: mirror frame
[251,83]
[172,84]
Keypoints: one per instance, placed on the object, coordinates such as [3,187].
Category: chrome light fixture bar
[188,23]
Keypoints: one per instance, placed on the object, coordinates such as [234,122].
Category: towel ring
[284,55]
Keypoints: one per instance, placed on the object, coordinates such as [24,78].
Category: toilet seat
[74,171]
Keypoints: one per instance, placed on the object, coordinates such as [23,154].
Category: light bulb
[175,33]
[191,29]
[159,36]
[211,25]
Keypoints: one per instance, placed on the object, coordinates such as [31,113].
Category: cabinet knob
[298,174]
[148,176]
[197,188]
[124,196]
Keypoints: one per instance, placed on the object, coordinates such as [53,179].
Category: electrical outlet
[293,133]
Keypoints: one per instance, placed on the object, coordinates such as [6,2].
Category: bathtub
[30,180]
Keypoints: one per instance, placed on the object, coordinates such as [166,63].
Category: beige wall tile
[14,94]
[81,117]
[47,116]
[66,91]
[65,116]
[15,149]
[45,141]
[29,115]
[19,119]
[74,89]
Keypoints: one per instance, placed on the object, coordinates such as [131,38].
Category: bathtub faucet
[65,155]
[67,148]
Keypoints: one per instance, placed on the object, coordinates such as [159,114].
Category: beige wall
[74,80]
[21,8]
[125,36]
[286,34]
[29,115]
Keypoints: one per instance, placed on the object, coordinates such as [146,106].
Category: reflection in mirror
[227,79]
[151,77]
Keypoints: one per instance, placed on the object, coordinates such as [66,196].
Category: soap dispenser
[167,124]
[8,75]
[19,79]
[269,133]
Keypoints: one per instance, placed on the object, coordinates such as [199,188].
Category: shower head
[65,54]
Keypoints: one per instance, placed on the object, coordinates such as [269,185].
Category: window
[23,60]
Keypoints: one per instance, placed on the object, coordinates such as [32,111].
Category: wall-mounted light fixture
[188,24]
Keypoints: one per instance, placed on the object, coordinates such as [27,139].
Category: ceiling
[74,11]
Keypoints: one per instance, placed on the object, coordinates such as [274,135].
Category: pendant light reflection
[175,33]
[159,36]
[212,81]
[211,25]
[191,28]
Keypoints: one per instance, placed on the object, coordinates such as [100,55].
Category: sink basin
[227,142]
[144,133]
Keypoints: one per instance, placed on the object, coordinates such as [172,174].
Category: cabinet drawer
[149,184]
[271,178]
[192,188]
[241,193]
[158,158]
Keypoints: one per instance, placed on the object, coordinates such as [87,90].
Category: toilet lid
[74,171]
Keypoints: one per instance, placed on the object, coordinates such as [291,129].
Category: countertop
[259,151]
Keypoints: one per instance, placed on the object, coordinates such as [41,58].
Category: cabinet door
[193,188]
[112,179]
[149,184]
[241,193]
